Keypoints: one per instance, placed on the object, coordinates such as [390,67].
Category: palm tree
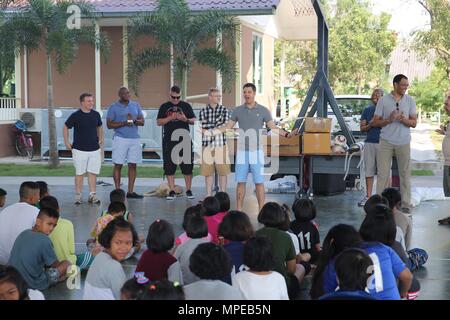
[43,25]
[173,24]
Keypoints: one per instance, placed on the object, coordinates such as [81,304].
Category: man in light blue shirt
[124,116]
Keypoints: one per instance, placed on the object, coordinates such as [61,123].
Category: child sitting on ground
[63,239]
[118,195]
[235,230]
[134,287]
[14,287]
[33,255]
[213,216]
[196,230]
[115,209]
[106,276]
[211,263]
[302,258]
[156,262]
[261,282]
[304,228]
[273,217]
[339,238]
[353,270]
[191,211]
[3,194]
[162,290]
[379,226]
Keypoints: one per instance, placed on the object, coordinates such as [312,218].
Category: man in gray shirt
[396,115]
[251,117]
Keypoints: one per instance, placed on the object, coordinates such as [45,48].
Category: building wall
[7,148]
[112,70]
[154,83]
[78,77]
[266,97]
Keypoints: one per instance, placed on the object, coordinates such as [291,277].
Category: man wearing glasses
[396,115]
[175,116]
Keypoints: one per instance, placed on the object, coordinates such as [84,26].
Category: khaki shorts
[370,158]
[215,157]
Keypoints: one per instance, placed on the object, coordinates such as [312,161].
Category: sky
[406,15]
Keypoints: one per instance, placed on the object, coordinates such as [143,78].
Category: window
[258,63]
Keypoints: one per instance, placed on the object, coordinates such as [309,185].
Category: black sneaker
[134,195]
[172,195]
[189,194]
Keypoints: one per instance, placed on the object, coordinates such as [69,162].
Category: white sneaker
[93,199]
[78,199]
[363,201]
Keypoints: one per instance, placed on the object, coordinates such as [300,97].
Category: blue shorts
[126,150]
[249,161]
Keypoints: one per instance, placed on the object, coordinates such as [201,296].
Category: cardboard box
[317,125]
[286,146]
[282,141]
[316,143]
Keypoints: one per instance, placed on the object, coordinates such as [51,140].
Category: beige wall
[266,97]
[79,77]
[112,71]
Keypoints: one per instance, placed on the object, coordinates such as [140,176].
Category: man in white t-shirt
[17,218]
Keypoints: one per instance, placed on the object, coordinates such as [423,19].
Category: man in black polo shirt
[86,152]
[175,116]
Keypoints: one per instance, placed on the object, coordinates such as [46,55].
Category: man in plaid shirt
[214,149]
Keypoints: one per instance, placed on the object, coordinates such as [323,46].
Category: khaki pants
[403,155]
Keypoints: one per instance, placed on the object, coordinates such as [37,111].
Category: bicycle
[23,141]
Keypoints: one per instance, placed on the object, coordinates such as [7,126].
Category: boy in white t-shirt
[18,217]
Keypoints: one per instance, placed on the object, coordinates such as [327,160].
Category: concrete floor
[427,234]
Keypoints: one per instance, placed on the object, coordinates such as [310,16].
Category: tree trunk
[53,160]
[184,80]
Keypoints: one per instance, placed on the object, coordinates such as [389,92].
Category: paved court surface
[427,234]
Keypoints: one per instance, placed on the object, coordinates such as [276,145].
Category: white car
[351,107]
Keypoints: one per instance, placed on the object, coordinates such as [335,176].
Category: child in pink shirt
[190,212]
[214,212]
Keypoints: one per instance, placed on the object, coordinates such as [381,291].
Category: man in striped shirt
[214,148]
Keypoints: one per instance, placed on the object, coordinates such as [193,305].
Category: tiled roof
[118,6]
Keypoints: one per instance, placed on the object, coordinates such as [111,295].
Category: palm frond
[144,60]
[218,60]
[154,25]
[208,24]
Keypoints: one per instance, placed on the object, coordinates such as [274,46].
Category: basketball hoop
[302,8]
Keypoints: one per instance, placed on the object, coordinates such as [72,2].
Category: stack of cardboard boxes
[317,136]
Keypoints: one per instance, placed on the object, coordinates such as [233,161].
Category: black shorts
[170,162]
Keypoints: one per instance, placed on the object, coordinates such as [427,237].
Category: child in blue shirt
[353,270]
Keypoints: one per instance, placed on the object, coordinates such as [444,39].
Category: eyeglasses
[175,98]
[397,105]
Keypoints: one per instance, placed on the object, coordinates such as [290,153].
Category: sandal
[445,221]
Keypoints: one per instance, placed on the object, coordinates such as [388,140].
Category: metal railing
[9,109]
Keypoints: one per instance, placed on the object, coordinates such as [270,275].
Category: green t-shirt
[284,250]
[64,241]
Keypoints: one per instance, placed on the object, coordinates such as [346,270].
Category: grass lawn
[423,172]
[436,139]
[36,170]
